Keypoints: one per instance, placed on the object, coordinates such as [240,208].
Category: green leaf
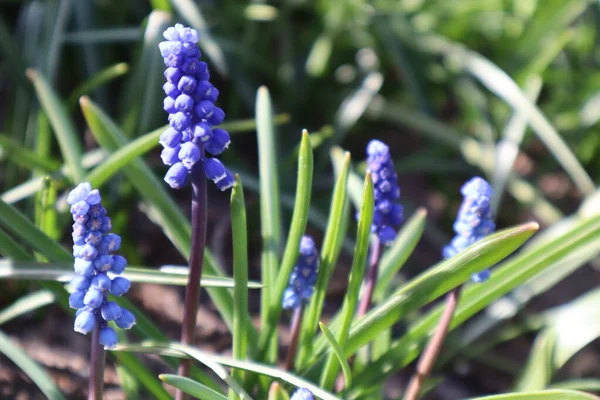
[538,369]
[394,258]
[339,353]
[63,127]
[30,367]
[297,229]
[143,375]
[212,361]
[590,385]
[436,281]
[542,395]
[100,78]
[24,157]
[329,254]
[63,272]
[277,393]
[191,387]
[25,304]
[270,212]
[361,252]
[240,275]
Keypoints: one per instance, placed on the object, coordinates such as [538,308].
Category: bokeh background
[505,89]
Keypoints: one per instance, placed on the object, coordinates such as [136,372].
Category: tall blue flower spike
[304,275]
[189,100]
[96,267]
[388,214]
[302,394]
[475,221]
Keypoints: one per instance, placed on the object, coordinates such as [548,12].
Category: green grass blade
[25,304]
[538,369]
[30,367]
[24,157]
[10,248]
[357,272]
[135,367]
[191,387]
[240,275]
[297,229]
[63,127]
[542,395]
[101,78]
[329,255]
[589,384]
[339,353]
[402,247]
[270,211]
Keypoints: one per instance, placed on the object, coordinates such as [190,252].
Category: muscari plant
[371,306]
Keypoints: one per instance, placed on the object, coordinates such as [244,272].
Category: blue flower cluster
[189,100]
[388,214]
[302,394]
[304,275]
[474,221]
[92,247]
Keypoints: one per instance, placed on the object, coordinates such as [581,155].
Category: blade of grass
[25,304]
[542,395]
[240,275]
[357,272]
[191,387]
[339,353]
[24,157]
[101,78]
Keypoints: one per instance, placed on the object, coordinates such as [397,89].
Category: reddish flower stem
[97,358]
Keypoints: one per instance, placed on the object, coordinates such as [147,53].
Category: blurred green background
[505,89]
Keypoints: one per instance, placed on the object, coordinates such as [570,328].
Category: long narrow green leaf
[542,395]
[24,157]
[505,277]
[538,369]
[30,367]
[100,78]
[25,304]
[590,384]
[270,212]
[339,353]
[143,375]
[357,272]
[62,125]
[329,255]
[240,275]
[297,229]
[191,387]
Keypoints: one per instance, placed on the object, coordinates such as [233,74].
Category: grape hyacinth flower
[388,214]
[302,394]
[189,100]
[96,267]
[303,277]
[474,221]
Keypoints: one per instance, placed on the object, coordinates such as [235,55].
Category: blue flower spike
[95,268]
[193,116]
[302,394]
[388,215]
[304,276]
[475,221]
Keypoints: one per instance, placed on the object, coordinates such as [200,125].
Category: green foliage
[504,89]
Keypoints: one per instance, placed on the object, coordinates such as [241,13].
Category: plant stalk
[192,291]
[295,329]
[372,274]
[97,358]
[433,348]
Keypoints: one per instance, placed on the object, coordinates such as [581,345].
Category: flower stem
[371,280]
[295,329]
[97,358]
[434,347]
[192,291]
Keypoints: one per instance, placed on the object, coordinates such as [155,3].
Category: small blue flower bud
[93,197]
[169,105]
[76,299]
[171,90]
[202,132]
[78,240]
[101,282]
[126,320]
[191,66]
[170,138]
[85,322]
[80,219]
[108,338]
[169,48]
[304,276]
[290,299]
[119,286]
[106,225]
[94,224]
[110,243]
[88,252]
[217,116]
[79,193]
[93,238]
[119,264]
[176,176]
[97,211]
[170,155]
[104,262]
[80,208]
[79,229]
[111,311]
[184,102]
[226,182]
[204,109]
[302,394]
[214,169]
[80,282]
[189,154]
[187,84]
[84,267]
[219,142]
[173,75]
[93,298]
[180,121]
